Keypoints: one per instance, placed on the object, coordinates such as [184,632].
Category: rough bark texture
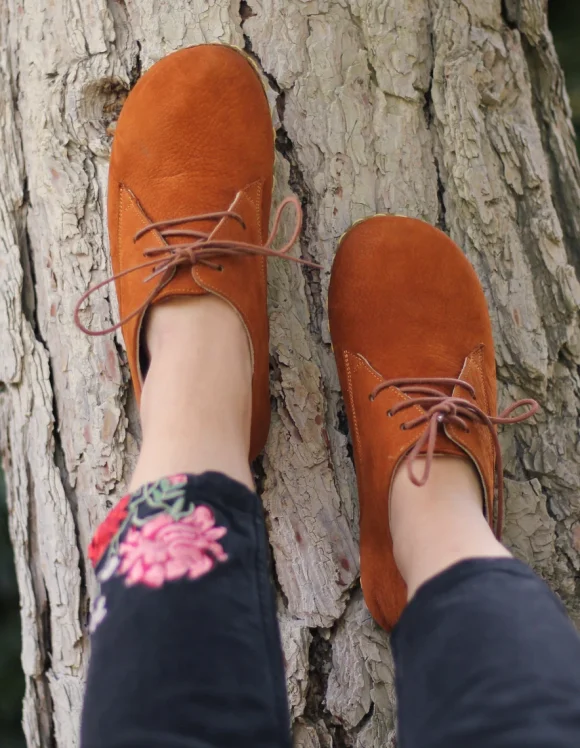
[453,111]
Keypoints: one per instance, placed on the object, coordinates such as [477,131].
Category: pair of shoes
[190,187]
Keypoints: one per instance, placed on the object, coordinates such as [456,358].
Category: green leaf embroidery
[163,495]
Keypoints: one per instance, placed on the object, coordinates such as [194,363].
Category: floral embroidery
[167,494]
[177,480]
[107,530]
[108,569]
[165,549]
[98,613]
[154,536]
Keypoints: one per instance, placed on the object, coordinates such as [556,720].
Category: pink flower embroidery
[177,480]
[165,549]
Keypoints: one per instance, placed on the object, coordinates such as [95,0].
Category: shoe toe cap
[195,129]
[402,291]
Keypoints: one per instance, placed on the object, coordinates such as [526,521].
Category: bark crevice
[38,680]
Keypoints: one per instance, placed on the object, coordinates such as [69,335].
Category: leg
[186,647]
[194,663]
[197,398]
[486,656]
[430,534]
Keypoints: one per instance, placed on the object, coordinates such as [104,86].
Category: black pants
[186,650]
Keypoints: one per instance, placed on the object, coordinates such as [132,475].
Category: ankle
[200,363]
[196,404]
[185,325]
[441,523]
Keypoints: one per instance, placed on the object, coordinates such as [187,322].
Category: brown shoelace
[442,409]
[201,251]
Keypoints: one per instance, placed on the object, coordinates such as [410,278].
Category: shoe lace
[199,250]
[442,409]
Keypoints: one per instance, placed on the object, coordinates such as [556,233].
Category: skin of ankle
[440,523]
[196,403]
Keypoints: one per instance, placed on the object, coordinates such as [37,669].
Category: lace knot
[441,410]
[199,249]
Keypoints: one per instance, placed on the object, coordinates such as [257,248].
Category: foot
[413,344]
[441,523]
[190,186]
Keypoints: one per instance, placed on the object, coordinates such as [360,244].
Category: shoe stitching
[361,362]
[257,204]
[346,355]
[478,363]
[473,361]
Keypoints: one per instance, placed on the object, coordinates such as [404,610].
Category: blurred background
[11,679]
[564,19]
[565,25]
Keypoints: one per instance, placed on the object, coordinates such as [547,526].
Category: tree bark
[453,111]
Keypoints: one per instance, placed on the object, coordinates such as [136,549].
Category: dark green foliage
[11,678]
[564,20]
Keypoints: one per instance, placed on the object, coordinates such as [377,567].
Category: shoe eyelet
[403,427]
[220,268]
[390,413]
[371,399]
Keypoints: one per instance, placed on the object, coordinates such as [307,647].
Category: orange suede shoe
[412,339]
[190,186]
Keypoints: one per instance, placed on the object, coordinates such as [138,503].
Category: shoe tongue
[226,228]
[443,444]
[445,390]
[176,200]
[208,227]
[439,390]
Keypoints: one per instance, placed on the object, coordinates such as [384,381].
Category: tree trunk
[453,111]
